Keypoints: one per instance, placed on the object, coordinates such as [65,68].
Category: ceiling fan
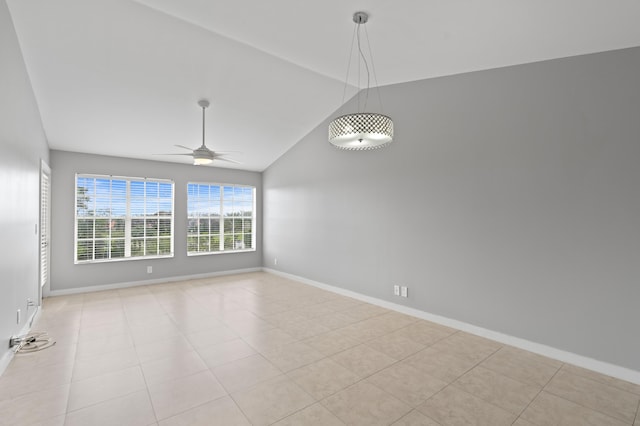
[203,155]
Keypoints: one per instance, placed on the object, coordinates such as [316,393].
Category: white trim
[5,360]
[609,369]
[115,286]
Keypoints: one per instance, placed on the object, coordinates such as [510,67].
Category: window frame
[222,220]
[129,217]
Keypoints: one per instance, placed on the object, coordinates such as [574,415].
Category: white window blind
[121,218]
[221,218]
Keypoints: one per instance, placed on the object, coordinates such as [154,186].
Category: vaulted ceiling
[123,77]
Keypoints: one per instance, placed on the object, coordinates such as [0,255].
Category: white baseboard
[609,369]
[8,355]
[115,286]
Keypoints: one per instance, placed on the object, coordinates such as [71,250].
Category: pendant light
[361,130]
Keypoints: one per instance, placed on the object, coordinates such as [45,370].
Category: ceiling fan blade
[227,159]
[190,155]
[185,147]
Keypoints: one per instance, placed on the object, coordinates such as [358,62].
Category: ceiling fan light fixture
[199,161]
[362,130]
[202,156]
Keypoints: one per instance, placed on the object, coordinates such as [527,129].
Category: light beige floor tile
[223,353]
[266,308]
[407,383]
[342,303]
[193,324]
[17,382]
[177,365]
[55,355]
[51,421]
[323,378]
[106,363]
[497,389]
[176,396]
[113,328]
[162,348]
[313,415]
[222,411]
[392,321]
[364,311]
[35,407]
[332,342]
[304,329]
[249,327]
[104,387]
[130,410]
[335,320]
[145,333]
[365,404]
[522,422]
[268,340]
[101,316]
[598,396]
[442,365]
[364,331]
[157,321]
[66,334]
[107,333]
[467,346]
[316,310]
[143,313]
[245,372]
[523,366]
[363,360]
[210,336]
[548,410]
[416,418]
[292,356]
[425,333]
[285,318]
[395,346]
[454,407]
[103,345]
[272,400]
[601,378]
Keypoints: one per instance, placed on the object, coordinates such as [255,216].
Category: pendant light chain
[366,66]
[346,78]
[373,69]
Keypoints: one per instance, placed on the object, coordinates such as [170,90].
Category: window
[122,218]
[221,218]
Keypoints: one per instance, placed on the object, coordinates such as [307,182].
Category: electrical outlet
[275,260]
[18,317]
[404,291]
[396,290]
[149,269]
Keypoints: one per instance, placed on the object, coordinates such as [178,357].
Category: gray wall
[22,145]
[510,200]
[65,275]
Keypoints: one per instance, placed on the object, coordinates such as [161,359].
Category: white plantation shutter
[44,228]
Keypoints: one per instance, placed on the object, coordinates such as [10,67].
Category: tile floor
[258,349]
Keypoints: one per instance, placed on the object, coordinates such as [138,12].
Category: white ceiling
[123,77]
